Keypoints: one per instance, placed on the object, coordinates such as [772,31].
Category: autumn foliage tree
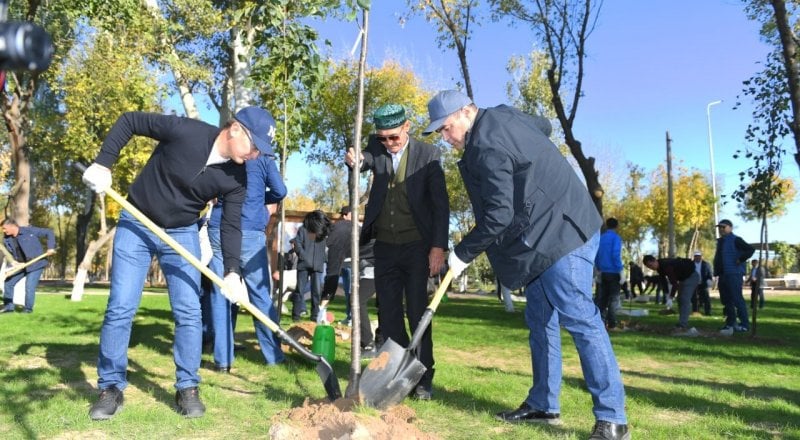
[693,206]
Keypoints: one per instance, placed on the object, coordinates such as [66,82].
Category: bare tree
[563,27]
[789,42]
[452,19]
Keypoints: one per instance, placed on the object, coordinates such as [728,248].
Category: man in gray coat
[540,230]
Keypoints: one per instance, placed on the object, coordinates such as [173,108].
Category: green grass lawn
[707,387]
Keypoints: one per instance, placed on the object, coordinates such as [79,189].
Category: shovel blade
[390,376]
[329,380]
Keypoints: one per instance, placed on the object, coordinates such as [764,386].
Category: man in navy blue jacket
[194,162]
[540,230]
[24,244]
[729,265]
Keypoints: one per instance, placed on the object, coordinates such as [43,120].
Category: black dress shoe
[526,414]
[221,369]
[421,392]
[609,431]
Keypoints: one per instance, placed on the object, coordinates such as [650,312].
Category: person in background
[539,229]
[408,215]
[636,278]
[264,187]
[339,241]
[309,244]
[24,244]
[683,279]
[757,281]
[609,263]
[701,297]
[194,162]
[729,265]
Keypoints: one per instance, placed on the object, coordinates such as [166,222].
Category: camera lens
[24,46]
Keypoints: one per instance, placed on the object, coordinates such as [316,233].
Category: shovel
[19,267]
[395,370]
[324,369]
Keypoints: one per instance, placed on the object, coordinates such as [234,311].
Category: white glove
[322,316]
[235,290]
[455,264]
[206,252]
[97,177]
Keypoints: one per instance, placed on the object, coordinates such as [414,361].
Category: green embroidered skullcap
[389,116]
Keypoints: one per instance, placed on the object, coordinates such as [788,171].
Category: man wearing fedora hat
[540,230]
[194,162]
[408,215]
[730,260]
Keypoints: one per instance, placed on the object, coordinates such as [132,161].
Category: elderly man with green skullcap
[407,214]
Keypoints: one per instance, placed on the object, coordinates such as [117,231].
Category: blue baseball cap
[444,104]
[261,126]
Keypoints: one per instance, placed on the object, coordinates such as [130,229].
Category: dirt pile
[340,420]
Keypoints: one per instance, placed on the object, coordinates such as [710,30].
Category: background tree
[633,227]
[328,190]
[563,26]
[781,75]
[59,18]
[784,194]
[785,259]
[335,106]
[693,207]
[452,19]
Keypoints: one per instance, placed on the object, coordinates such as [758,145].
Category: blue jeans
[562,295]
[30,288]
[733,305]
[134,247]
[256,271]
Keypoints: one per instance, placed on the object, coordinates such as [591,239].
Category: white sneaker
[727,331]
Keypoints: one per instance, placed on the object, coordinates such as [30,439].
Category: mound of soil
[337,420]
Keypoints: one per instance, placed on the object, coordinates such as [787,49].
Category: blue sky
[652,66]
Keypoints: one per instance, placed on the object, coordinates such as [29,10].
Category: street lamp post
[713,175]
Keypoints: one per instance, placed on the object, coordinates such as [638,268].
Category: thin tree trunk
[86,263]
[789,50]
[355,304]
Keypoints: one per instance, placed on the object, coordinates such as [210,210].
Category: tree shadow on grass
[762,393]
[41,360]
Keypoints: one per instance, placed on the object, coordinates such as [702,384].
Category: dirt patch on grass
[342,420]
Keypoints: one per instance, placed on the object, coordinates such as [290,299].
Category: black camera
[24,46]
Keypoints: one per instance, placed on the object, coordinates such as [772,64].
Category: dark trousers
[756,292]
[730,294]
[401,276]
[701,299]
[366,288]
[30,288]
[298,300]
[607,294]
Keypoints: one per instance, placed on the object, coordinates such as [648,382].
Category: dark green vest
[395,224]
